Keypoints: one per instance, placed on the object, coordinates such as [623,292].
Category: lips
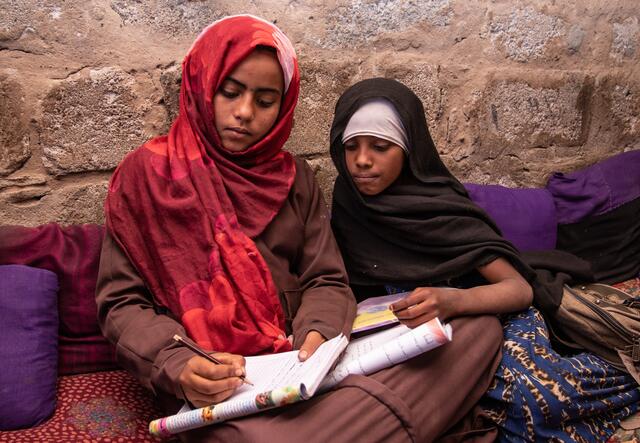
[365,178]
[237,132]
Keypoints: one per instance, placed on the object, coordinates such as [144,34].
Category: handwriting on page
[364,345]
[270,372]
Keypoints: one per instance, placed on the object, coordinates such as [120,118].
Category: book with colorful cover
[374,313]
[280,379]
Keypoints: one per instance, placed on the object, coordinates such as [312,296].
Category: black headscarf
[421,230]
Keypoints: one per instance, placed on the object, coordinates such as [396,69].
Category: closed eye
[350,146]
[381,147]
[229,93]
[265,103]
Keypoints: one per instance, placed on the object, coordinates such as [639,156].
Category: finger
[199,400]
[412,311]
[207,387]
[425,307]
[209,370]
[415,322]
[313,340]
[412,299]
[230,359]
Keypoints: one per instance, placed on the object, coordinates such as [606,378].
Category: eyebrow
[242,85]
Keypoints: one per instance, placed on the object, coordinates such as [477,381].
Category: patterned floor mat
[100,407]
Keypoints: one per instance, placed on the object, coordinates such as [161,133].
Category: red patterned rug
[100,407]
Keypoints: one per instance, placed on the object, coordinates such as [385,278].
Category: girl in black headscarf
[403,222]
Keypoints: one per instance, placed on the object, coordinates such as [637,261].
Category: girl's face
[373,163]
[248,101]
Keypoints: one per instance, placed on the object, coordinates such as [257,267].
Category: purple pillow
[597,189]
[29,349]
[598,215]
[526,216]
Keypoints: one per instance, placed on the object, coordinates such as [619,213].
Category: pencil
[205,354]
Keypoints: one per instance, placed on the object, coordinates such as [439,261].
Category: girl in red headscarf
[214,232]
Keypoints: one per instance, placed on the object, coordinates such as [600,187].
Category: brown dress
[416,401]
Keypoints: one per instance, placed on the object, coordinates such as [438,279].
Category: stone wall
[513,89]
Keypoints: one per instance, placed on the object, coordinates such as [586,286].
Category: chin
[368,191]
[234,147]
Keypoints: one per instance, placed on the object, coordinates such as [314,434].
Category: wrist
[456,305]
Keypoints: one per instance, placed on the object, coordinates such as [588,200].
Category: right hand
[424,304]
[205,383]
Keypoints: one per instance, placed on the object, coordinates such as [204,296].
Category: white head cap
[378,118]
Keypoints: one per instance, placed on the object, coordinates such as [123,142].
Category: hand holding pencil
[210,378]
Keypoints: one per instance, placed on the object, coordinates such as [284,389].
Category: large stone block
[525,33]
[173,17]
[616,109]
[526,111]
[356,22]
[518,128]
[34,204]
[37,26]
[14,130]
[91,120]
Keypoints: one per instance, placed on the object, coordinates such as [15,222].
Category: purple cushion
[526,216]
[597,189]
[29,349]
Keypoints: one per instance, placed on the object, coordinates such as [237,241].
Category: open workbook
[280,379]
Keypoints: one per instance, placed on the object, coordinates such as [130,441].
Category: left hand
[313,340]
[424,304]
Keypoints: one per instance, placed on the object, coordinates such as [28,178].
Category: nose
[244,109]
[362,158]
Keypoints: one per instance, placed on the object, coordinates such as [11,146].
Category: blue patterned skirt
[539,395]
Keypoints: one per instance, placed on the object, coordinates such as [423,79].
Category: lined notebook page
[273,371]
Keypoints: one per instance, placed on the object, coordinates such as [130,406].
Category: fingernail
[239,372]
[303,355]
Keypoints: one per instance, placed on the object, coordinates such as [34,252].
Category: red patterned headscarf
[185,210]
